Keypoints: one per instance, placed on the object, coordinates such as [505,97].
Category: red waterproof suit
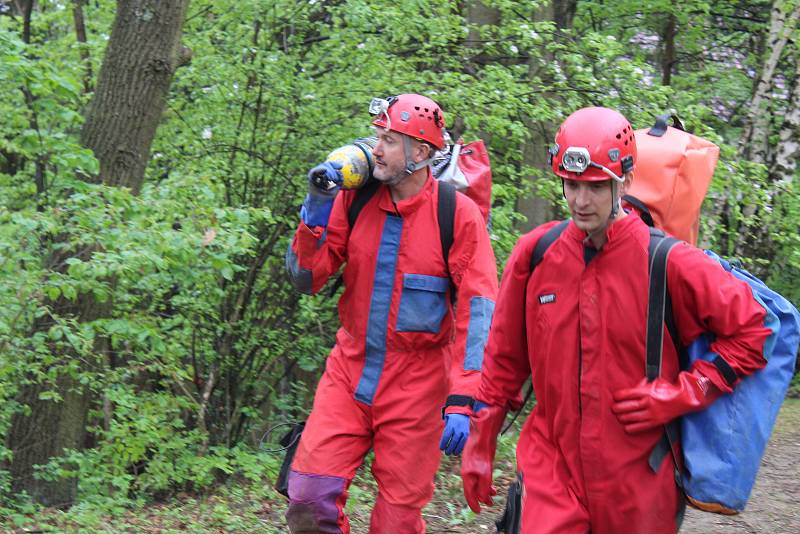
[578,325]
[400,355]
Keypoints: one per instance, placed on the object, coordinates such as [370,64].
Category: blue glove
[324,182]
[456,432]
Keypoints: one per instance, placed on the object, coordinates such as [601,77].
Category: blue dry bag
[723,445]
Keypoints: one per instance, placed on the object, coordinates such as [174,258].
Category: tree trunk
[141,58]
[25,8]
[42,435]
[785,162]
[142,55]
[754,142]
[26,11]
[538,210]
[80,36]
[669,32]
[562,12]
[479,14]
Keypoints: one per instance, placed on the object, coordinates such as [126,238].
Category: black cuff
[725,370]
[457,400]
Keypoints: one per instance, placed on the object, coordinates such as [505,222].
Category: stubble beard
[391,177]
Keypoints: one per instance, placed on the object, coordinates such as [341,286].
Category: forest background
[152,162]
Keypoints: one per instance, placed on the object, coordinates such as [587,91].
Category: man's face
[589,203]
[390,161]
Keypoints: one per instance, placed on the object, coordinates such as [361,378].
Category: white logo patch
[547,299]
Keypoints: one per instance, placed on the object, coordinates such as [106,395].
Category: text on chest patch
[547,299]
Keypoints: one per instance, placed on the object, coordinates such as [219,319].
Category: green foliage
[196,344]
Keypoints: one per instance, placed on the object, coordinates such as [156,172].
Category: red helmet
[594,144]
[414,115]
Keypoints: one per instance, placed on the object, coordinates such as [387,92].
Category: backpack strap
[658,296]
[363,196]
[446,215]
[641,207]
[660,266]
[537,256]
[446,212]
[544,243]
[659,312]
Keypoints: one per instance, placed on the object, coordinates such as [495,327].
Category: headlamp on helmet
[380,107]
[577,159]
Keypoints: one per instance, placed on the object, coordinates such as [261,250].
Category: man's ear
[626,185]
[422,151]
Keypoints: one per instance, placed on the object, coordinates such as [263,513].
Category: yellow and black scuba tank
[356,160]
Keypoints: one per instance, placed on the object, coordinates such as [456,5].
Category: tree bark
[36,438]
[539,210]
[25,8]
[562,12]
[669,32]
[754,142]
[139,63]
[784,163]
[80,36]
[141,58]
[479,14]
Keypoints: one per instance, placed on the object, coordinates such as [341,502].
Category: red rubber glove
[478,456]
[652,404]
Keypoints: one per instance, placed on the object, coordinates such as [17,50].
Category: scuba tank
[357,164]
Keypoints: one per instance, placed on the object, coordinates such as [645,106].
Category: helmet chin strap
[614,200]
[411,166]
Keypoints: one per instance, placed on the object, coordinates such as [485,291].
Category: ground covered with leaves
[245,508]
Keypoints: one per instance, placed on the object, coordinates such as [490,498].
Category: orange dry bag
[671,177]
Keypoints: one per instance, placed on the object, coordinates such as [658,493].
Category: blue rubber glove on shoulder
[324,182]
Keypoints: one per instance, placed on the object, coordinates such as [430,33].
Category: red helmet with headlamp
[594,144]
[414,115]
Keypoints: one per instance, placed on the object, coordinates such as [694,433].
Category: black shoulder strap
[544,243]
[363,196]
[659,311]
[656,235]
[446,214]
[641,207]
[446,211]
[659,306]
[537,256]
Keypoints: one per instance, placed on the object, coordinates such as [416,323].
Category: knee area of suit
[309,488]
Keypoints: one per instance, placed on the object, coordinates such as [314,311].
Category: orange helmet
[594,144]
[410,114]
